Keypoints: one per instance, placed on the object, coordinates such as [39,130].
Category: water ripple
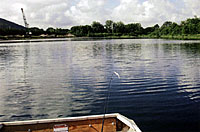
[159,85]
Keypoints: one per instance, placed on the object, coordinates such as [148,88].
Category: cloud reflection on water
[58,79]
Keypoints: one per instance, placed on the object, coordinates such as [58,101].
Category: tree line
[190,26]
[96,29]
[34,31]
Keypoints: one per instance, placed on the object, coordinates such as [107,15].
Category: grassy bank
[172,37]
[175,37]
[18,37]
[106,36]
[129,36]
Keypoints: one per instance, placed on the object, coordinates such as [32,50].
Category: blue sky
[67,13]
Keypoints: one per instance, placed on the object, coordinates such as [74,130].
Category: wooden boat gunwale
[125,120]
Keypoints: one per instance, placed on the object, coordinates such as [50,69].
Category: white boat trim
[125,120]
[128,122]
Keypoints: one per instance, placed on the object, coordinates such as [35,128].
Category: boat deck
[112,123]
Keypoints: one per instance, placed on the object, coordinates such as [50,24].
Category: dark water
[159,86]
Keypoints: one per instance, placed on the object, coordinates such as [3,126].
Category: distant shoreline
[27,40]
[50,39]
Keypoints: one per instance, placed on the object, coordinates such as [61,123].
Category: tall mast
[25,22]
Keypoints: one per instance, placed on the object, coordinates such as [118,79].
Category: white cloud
[148,12]
[192,7]
[40,13]
[66,13]
[87,11]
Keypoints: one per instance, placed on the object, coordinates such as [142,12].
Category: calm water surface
[159,86]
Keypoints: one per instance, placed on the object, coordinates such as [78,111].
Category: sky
[68,13]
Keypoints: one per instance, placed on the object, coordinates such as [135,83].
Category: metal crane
[25,22]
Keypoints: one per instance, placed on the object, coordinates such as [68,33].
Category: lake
[159,85]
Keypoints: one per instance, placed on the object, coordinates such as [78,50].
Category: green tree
[119,27]
[36,31]
[166,24]
[60,31]
[80,31]
[176,30]
[97,27]
[198,28]
[109,26]
[50,31]
[149,30]
[133,29]
[190,26]
[156,26]
[166,28]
